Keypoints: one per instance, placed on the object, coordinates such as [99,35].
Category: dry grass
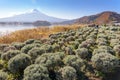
[36,33]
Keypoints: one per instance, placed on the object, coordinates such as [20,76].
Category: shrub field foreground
[82,54]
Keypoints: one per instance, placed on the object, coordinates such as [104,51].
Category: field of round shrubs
[87,53]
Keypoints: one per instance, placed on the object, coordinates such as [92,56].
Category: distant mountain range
[100,18]
[35,15]
[32,16]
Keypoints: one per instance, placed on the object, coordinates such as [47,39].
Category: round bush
[38,41]
[102,35]
[83,53]
[84,44]
[28,47]
[3,76]
[50,59]
[35,52]
[91,41]
[70,38]
[19,63]
[36,72]
[99,40]
[68,51]
[74,61]
[105,62]
[9,48]
[102,44]
[61,43]
[117,48]
[56,47]
[18,45]
[67,73]
[107,49]
[47,48]
[98,51]
[9,54]
[75,44]
[30,41]
[2,46]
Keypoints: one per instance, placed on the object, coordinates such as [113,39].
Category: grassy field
[37,33]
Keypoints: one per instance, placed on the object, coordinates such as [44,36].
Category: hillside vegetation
[81,54]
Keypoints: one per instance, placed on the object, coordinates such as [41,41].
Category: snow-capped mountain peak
[31,16]
[35,10]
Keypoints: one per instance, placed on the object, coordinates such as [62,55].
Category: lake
[11,28]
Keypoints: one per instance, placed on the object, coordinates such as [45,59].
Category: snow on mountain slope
[32,16]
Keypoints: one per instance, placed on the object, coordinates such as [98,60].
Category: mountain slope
[33,16]
[101,18]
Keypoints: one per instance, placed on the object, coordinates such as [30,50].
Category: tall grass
[36,33]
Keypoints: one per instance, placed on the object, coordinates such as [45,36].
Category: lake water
[11,28]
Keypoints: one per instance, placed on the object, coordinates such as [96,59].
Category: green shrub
[53,36]
[70,38]
[28,47]
[37,41]
[9,48]
[9,54]
[52,41]
[50,59]
[19,63]
[98,51]
[48,48]
[56,47]
[107,49]
[102,35]
[3,64]
[114,42]
[99,40]
[35,52]
[36,72]
[2,46]
[102,44]
[61,43]
[75,44]
[105,62]
[67,73]
[79,40]
[3,76]
[117,50]
[91,41]
[65,35]
[74,61]
[30,41]
[114,29]
[18,45]
[68,51]
[83,53]
[84,44]
[1,54]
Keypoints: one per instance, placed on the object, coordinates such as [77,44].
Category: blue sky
[68,9]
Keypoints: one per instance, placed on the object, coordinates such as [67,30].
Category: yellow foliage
[36,33]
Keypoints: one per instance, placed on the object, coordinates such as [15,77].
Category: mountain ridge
[105,17]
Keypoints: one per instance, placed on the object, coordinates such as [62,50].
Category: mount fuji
[32,16]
